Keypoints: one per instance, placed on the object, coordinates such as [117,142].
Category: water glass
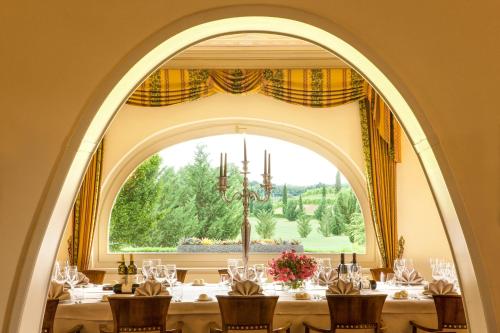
[161,274]
[260,273]
[171,275]
[399,267]
[59,275]
[232,268]
[327,268]
[146,268]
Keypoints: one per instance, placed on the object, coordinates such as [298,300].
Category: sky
[290,163]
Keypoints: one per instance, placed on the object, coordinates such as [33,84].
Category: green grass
[315,242]
[146,249]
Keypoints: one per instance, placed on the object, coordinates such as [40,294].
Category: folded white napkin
[245,288]
[56,291]
[151,288]
[342,288]
[413,278]
[328,279]
[440,287]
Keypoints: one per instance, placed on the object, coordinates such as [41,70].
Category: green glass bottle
[132,267]
[122,268]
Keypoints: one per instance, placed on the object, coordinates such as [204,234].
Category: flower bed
[219,248]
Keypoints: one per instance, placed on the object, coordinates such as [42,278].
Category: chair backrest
[355,311]
[223,271]
[181,275]
[376,272]
[247,312]
[49,315]
[136,313]
[450,312]
[95,276]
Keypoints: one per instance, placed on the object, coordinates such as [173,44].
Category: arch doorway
[27,304]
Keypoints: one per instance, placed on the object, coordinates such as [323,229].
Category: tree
[304,227]
[216,219]
[284,199]
[176,210]
[292,211]
[321,209]
[356,229]
[338,182]
[266,206]
[345,205]
[301,205]
[134,214]
[266,224]
[325,222]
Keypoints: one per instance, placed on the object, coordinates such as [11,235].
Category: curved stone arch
[53,208]
[187,131]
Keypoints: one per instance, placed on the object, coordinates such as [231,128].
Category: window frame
[103,259]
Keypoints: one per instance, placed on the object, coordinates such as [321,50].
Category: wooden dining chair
[95,276]
[450,314]
[139,313]
[352,312]
[377,271]
[181,275]
[223,271]
[243,313]
[49,316]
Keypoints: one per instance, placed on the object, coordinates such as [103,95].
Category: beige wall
[138,132]
[59,59]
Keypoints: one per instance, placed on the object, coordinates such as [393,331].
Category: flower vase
[295,286]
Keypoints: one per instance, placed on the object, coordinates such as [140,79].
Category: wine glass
[72,277]
[232,268]
[251,274]
[146,268]
[327,269]
[171,275]
[59,275]
[260,273]
[319,270]
[399,267]
[161,274]
[409,268]
[356,274]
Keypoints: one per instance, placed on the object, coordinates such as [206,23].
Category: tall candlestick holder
[245,195]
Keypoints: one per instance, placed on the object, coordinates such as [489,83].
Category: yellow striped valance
[320,88]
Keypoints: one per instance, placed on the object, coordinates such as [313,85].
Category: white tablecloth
[197,315]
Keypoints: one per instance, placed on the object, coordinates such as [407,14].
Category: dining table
[90,309]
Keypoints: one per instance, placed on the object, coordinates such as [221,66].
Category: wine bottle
[342,269]
[132,267]
[122,268]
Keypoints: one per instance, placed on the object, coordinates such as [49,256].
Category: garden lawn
[315,242]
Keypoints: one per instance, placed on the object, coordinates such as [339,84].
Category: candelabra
[245,195]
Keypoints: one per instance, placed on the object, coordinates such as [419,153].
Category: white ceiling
[255,50]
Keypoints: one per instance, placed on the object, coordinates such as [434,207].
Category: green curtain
[83,218]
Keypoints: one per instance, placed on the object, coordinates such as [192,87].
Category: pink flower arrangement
[293,268]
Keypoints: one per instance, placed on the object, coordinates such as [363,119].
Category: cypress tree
[284,199]
[338,182]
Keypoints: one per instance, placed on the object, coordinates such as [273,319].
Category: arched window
[171,203]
